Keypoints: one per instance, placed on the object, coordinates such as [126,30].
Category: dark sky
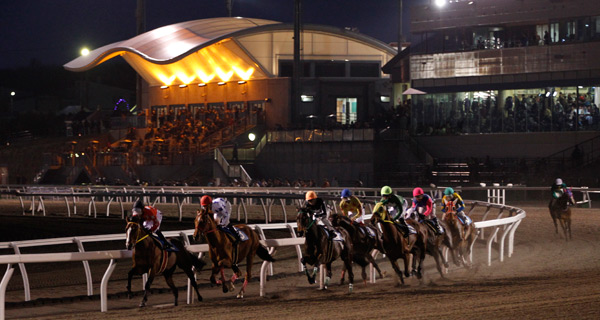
[52,32]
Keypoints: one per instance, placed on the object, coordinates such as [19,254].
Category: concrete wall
[347,161]
[531,145]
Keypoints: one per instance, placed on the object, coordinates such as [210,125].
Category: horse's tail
[263,253]
[197,263]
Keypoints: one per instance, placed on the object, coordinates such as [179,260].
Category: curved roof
[229,49]
[166,44]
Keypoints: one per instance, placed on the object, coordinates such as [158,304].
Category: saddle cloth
[338,236]
[367,231]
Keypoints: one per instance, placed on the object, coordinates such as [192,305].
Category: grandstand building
[242,63]
[502,79]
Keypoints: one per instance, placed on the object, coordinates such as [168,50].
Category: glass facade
[504,111]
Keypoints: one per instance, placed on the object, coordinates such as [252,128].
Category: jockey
[395,205]
[453,200]
[351,206]
[318,209]
[221,209]
[151,219]
[558,189]
[422,205]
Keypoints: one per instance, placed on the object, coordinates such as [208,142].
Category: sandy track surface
[545,278]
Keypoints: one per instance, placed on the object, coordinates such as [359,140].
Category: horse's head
[131,232]
[379,213]
[203,223]
[303,220]
[339,219]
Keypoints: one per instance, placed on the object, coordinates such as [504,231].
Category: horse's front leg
[147,288]
[327,275]
[129,277]
[226,284]
[309,275]
[348,266]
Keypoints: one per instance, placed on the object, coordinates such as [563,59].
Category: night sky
[52,32]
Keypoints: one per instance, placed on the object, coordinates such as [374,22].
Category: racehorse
[433,243]
[395,245]
[148,257]
[462,235]
[319,249]
[362,242]
[561,211]
[225,254]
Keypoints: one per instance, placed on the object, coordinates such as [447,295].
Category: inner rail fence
[495,223]
[117,201]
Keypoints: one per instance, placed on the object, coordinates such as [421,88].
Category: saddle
[161,245]
[367,231]
[243,236]
[431,226]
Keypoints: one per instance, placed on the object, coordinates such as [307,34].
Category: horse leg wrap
[234,277]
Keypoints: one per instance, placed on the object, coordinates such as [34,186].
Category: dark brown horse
[319,249]
[433,243]
[463,236]
[396,246]
[363,243]
[224,254]
[149,257]
[561,211]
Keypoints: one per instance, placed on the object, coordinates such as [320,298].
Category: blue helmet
[346,193]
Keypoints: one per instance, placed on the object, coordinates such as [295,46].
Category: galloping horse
[149,258]
[320,250]
[561,211]
[395,245]
[463,235]
[433,244]
[223,253]
[362,241]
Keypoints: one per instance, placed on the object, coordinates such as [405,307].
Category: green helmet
[386,191]
[449,191]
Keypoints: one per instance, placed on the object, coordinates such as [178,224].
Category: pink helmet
[418,192]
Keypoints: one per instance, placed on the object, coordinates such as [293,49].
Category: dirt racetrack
[545,278]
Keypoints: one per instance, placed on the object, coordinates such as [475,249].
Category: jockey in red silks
[422,206]
[151,219]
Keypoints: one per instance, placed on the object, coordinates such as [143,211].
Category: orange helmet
[205,201]
[310,195]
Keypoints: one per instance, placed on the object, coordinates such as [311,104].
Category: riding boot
[161,237]
[466,220]
[403,227]
[235,234]
[437,225]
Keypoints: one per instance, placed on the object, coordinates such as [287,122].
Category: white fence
[496,223]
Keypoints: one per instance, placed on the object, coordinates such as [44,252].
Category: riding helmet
[138,206]
[418,192]
[449,191]
[205,201]
[558,181]
[310,195]
[346,193]
[386,191]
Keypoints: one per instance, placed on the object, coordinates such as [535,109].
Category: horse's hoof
[240,295]
[350,288]
[199,298]
[327,280]
[342,281]
[143,304]
[446,265]
[225,289]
